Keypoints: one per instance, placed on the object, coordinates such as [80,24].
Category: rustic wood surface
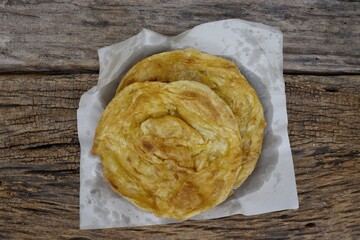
[319,36]
[48,60]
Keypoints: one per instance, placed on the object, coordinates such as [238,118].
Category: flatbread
[224,78]
[173,149]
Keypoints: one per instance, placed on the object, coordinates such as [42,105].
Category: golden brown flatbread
[173,149]
[224,78]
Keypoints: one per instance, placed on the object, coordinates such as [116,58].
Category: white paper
[257,50]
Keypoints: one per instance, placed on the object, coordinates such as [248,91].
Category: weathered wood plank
[43,109]
[319,36]
[39,164]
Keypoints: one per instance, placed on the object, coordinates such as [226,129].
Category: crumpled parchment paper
[257,50]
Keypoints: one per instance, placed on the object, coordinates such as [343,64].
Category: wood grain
[39,149]
[39,164]
[320,37]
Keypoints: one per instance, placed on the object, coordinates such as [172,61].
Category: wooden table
[48,59]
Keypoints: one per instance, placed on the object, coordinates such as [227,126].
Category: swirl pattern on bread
[173,149]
